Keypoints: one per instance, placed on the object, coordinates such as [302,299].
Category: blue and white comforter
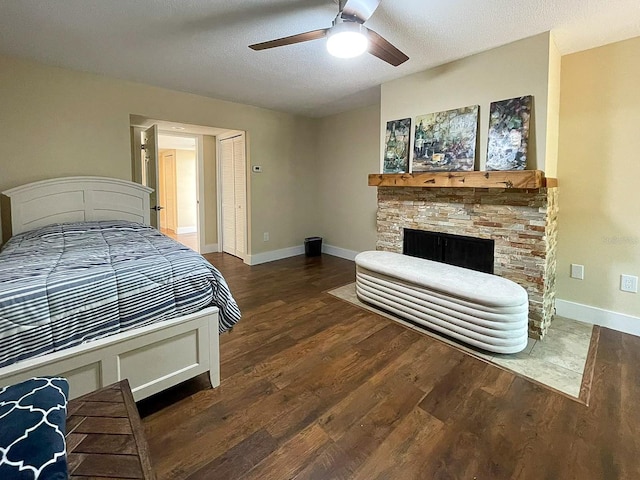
[67,284]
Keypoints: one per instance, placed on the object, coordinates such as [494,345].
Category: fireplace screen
[468,252]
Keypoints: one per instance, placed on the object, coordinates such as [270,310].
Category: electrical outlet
[577,271]
[629,283]
[265,236]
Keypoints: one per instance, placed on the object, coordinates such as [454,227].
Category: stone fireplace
[522,223]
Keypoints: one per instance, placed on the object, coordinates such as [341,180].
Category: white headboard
[74,199]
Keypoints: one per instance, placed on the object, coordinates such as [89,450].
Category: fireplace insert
[468,252]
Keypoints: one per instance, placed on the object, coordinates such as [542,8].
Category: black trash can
[313,246]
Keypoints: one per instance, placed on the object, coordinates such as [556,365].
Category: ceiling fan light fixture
[347,40]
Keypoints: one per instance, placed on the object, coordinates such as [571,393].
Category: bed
[90,292]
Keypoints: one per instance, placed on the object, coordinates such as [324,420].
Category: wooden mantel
[524,179]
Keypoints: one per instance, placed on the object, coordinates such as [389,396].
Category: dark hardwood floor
[315,388]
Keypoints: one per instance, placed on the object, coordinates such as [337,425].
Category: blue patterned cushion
[32,429]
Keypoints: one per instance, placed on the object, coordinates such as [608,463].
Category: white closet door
[240,190]
[228,197]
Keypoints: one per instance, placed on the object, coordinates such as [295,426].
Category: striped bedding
[66,284]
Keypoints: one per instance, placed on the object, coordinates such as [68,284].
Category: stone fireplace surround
[523,224]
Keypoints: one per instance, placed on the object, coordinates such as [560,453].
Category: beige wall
[598,173]
[518,69]
[186,188]
[553,110]
[210,189]
[273,190]
[348,152]
[351,143]
[57,122]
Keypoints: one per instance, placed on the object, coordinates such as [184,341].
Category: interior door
[228,196]
[233,176]
[150,171]
[167,190]
[240,194]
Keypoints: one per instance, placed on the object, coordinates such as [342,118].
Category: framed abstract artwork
[396,150]
[446,141]
[509,134]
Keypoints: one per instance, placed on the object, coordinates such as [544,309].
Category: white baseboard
[210,248]
[273,255]
[339,252]
[598,316]
[183,230]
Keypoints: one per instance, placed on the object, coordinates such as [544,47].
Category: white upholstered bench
[480,309]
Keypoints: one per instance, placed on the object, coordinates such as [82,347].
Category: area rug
[563,361]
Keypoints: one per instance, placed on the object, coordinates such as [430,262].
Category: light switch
[577,271]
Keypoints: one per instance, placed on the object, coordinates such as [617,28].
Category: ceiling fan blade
[381,48]
[299,38]
[360,10]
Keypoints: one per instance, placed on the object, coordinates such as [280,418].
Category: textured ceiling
[200,46]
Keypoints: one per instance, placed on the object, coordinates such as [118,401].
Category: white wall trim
[210,248]
[273,255]
[598,316]
[200,193]
[339,252]
[183,230]
[218,194]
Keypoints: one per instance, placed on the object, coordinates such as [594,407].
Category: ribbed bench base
[480,309]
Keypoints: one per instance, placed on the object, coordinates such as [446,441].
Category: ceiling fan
[347,37]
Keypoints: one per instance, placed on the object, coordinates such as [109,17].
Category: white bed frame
[154,357]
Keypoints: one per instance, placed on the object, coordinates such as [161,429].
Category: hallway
[187,239]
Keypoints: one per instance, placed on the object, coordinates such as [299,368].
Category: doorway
[177,187]
[146,160]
